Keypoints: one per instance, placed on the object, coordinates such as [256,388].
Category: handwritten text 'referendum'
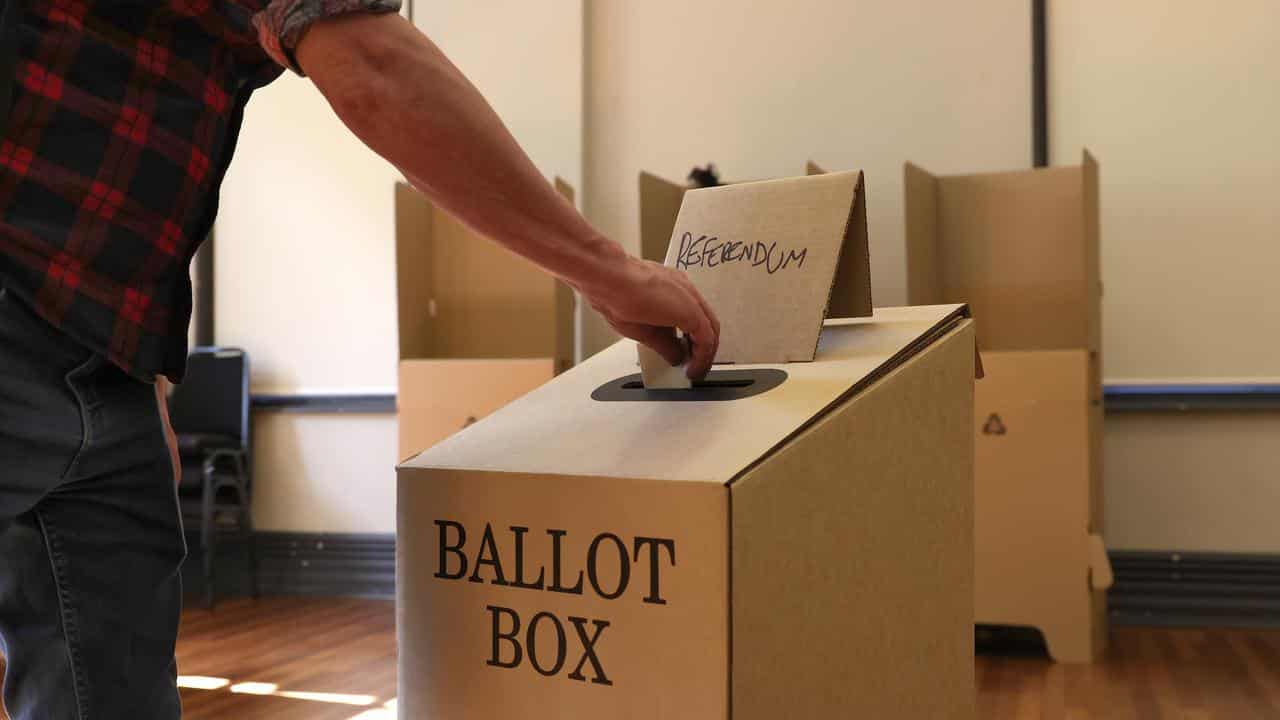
[710,251]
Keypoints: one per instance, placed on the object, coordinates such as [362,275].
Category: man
[122,120]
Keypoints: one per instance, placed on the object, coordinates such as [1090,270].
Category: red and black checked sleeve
[282,23]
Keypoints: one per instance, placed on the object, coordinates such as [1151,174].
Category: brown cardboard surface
[868,444]
[659,205]
[437,398]
[1034,550]
[415,272]
[559,429]
[461,295]
[924,269]
[660,201]
[764,255]
[1020,247]
[851,294]
[853,560]
[664,660]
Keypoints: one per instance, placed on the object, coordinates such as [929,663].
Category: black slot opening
[719,385]
[699,384]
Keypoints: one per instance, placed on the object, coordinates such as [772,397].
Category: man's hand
[650,302]
[399,94]
[162,385]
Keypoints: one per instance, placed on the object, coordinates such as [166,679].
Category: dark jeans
[90,533]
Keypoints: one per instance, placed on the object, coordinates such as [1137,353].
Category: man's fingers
[704,340]
[662,340]
[711,315]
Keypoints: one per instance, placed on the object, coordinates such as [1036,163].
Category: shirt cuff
[283,22]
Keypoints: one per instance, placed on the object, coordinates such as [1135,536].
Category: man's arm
[399,94]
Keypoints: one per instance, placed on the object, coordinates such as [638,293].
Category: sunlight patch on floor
[202,682]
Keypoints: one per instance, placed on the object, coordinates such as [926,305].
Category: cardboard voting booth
[785,540]
[1022,249]
[479,326]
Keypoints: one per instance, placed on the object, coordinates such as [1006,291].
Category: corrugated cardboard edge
[1092,244]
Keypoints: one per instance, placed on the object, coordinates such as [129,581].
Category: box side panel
[413,272]
[659,206]
[924,279]
[437,398]
[853,555]
[489,302]
[1012,246]
[1033,496]
[662,644]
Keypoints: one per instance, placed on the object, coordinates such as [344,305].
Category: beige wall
[1193,481]
[1180,101]
[305,260]
[324,472]
[758,88]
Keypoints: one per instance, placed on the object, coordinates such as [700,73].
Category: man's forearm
[400,95]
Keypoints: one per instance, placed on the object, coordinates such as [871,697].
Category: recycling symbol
[994,425]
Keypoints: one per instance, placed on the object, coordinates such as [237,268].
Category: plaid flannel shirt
[123,121]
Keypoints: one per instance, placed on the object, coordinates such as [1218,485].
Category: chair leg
[246,524]
[251,544]
[208,535]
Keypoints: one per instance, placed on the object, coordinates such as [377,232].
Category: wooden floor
[335,659]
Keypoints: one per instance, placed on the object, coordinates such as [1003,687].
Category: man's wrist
[605,267]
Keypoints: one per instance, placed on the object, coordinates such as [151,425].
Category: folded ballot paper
[769,257]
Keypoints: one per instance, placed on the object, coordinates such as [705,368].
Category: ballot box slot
[718,385]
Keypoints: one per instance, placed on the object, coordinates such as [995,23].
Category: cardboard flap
[1100,575]
[659,205]
[414,272]
[461,295]
[764,255]
[924,271]
[1019,246]
[851,295]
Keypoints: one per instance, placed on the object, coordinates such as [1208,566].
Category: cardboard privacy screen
[765,254]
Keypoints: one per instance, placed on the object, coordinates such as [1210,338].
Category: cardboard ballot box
[479,326]
[789,540]
[1022,249]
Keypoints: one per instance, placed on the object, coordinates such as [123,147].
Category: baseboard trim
[1195,589]
[309,564]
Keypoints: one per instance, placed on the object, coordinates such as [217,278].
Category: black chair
[210,414]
